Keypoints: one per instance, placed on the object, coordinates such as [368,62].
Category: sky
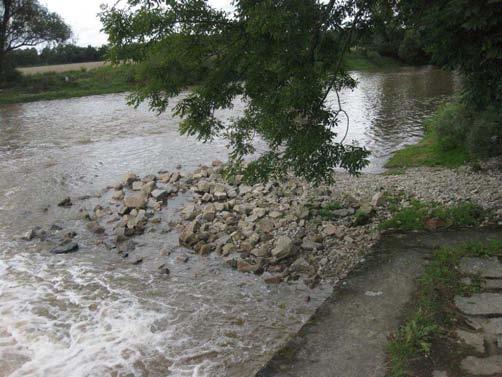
[81,15]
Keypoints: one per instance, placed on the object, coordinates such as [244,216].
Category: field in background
[61,68]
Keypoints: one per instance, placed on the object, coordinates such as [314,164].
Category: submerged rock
[65,248]
[66,202]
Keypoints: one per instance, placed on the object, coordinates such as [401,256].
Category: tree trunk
[4,24]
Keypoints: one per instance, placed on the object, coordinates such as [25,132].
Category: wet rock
[148,187]
[135,200]
[65,248]
[129,179]
[244,266]
[160,195]
[164,269]
[30,235]
[272,279]
[189,212]
[95,228]
[188,236]
[283,248]
[137,261]
[182,258]
[137,185]
[66,202]
[118,195]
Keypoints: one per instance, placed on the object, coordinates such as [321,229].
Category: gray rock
[160,195]
[475,340]
[283,248]
[343,212]
[66,248]
[29,235]
[495,284]
[489,325]
[486,267]
[486,366]
[135,200]
[480,304]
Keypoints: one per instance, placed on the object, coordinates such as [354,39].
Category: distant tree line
[61,54]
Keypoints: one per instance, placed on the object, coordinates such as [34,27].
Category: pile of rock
[285,228]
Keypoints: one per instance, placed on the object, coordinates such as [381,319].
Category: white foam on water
[57,327]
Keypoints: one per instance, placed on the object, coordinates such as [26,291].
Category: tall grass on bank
[47,86]
[454,136]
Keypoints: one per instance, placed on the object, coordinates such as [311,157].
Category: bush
[484,138]
[451,124]
[480,132]
[411,48]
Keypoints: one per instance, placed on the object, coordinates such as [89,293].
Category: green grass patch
[428,152]
[414,216]
[47,86]
[361,60]
[432,315]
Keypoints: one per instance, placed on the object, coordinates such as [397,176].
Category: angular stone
[480,304]
[148,187]
[475,340]
[302,266]
[486,267]
[219,195]
[283,248]
[135,200]
[160,195]
[486,366]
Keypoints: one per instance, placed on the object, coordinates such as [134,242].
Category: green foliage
[411,48]
[327,211]
[413,217]
[464,35]
[280,57]
[432,315]
[27,23]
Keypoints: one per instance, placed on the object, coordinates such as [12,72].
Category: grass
[366,61]
[107,79]
[414,216]
[53,85]
[428,152]
[327,211]
[432,315]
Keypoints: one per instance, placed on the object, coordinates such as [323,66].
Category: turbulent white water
[92,313]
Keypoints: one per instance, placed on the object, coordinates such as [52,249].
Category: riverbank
[68,81]
[289,230]
[60,85]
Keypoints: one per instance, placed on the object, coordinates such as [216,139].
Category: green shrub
[484,138]
[451,124]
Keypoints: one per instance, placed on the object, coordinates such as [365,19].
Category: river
[94,314]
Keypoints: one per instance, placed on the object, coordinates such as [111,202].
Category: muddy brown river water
[94,314]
